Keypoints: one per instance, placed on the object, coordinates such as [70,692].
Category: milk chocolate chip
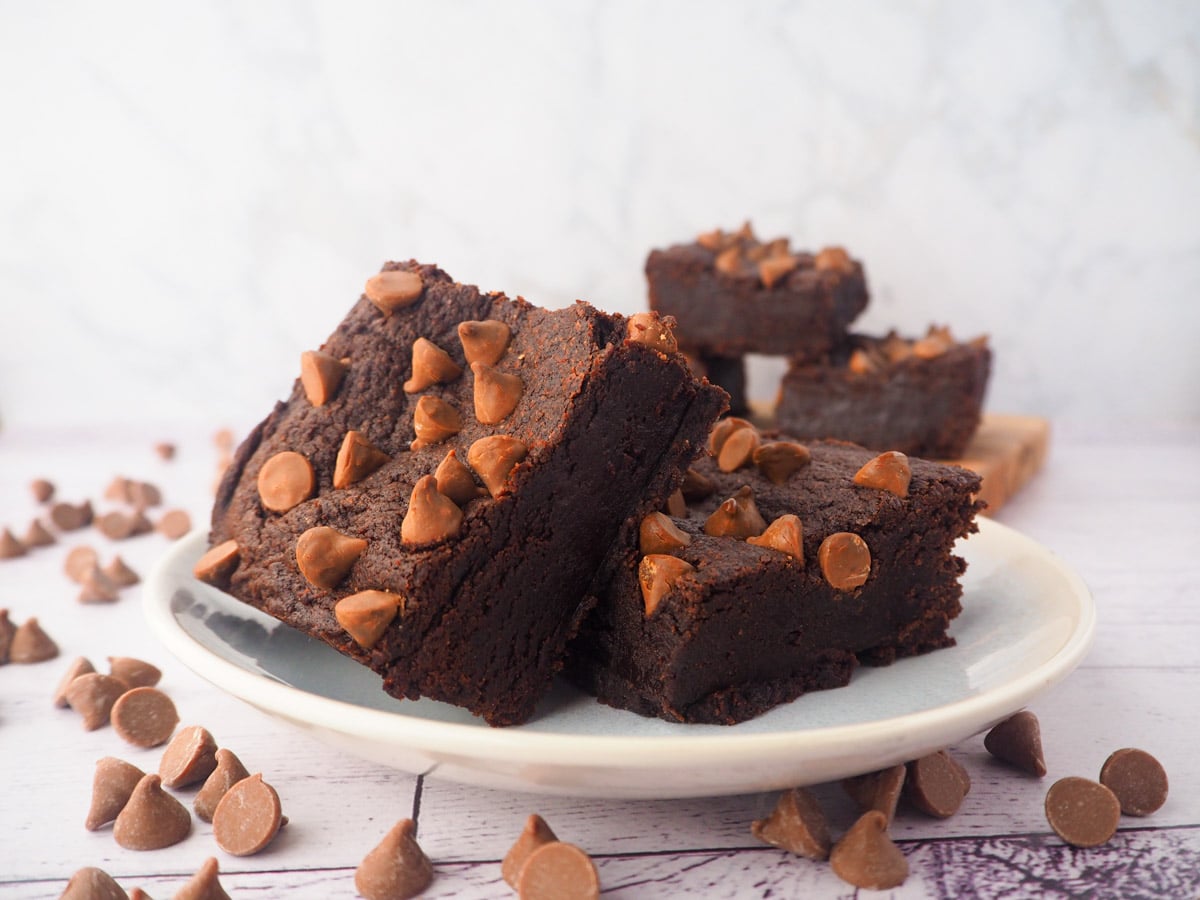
[658,534]
[932,346]
[285,480]
[738,517]
[721,432]
[845,560]
[785,534]
[37,535]
[1082,812]
[204,885]
[1018,741]
[117,526]
[80,665]
[93,695]
[936,784]
[43,490]
[397,868]
[152,819]
[229,771]
[535,834]
[30,644]
[774,269]
[367,614]
[493,458]
[393,290]
[144,716]
[696,486]
[888,471]
[321,375]
[434,420]
[652,330]
[134,672]
[90,883]
[657,575]
[455,480]
[190,757]
[356,459]
[796,824]
[431,516]
[834,259]
[738,449]
[112,786]
[80,560]
[71,518]
[325,555]
[496,393]
[729,262]
[484,342]
[97,587]
[7,630]
[558,871]
[119,573]
[1138,780]
[216,566]
[10,547]
[779,460]
[430,365]
[248,817]
[866,857]
[877,790]
[676,505]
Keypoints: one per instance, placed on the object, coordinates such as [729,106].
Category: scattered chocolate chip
[217,565]
[658,534]
[97,587]
[796,824]
[80,665]
[138,894]
[10,547]
[204,885]
[284,481]
[877,790]
[37,535]
[356,459]
[1082,812]
[223,439]
[112,786]
[1018,741]
[721,432]
[888,471]
[774,269]
[493,458]
[535,834]
[785,534]
[119,573]
[367,614]
[657,575]
[677,505]
[321,375]
[1138,780]
[30,644]
[7,631]
[496,393]
[845,560]
[936,784]
[834,259]
[729,262]
[393,290]
[134,672]
[866,857]
[190,757]
[397,868]
[455,480]
[738,517]
[779,460]
[484,342]
[434,420]
[42,490]
[431,517]
[144,716]
[90,883]
[79,562]
[654,331]
[165,451]
[558,871]
[142,494]
[229,771]
[738,449]
[248,817]
[118,489]
[696,486]
[152,819]
[430,365]
[92,695]
[325,555]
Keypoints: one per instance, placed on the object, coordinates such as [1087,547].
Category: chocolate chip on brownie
[493,458]
[397,868]
[285,480]
[1018,741]
[367,614]
[112,786]
[779,460]
[722,431]
[152,819]
[796,824]
[1082,812]
[455,480]
[484,342]
[321,375]
[654,331]
[738,517]
[431,516]
[1138,780]
[496,393]
[393,290]
[785,534]
[888,471]
[657,574]
[218,563]
[356,459]
[430,365]
[658,534]
[845,560]
[434,420]
[738,449]
[325,555]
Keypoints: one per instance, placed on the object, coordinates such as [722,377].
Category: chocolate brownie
[732,294]
[794,564]
[922,397]
[446,477]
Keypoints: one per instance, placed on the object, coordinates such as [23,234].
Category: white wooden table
[1120,505]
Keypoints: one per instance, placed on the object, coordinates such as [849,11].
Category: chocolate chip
[877,790]
[190,757]
[397,868]
[936,784]
[676,506]
[217,565]
[484,342]
[90,883]
[712,240]
[223,439]
[285,480]
[1018,741]
[248,817]
[862,363]
[152,819]
[112,786]
[204,885]
[834,259]
[144,716]
[431,517]
[30,644]
[658,534]
[138,894]
[321,375]
[134,672]
[367,614]
[43,490]
[142,494]
[866,857]
[37,535]
[773,269]
[779,460]
[97,587]
[80,665]
[785,534]
[738,449]
[430,365]
[1138,780]
[325,555]
[434,420]
[888,471]
[729,262]
[845,560]
[93,695]
[10,547]
[721,432]
[493,458]
[229,771]
[931,346]
[654,331]
[79,562]
[68,517]
[118,489]
[117,525]
[657,575]
[119,573]
[796,824]
[696,486]
[1082,812]
[165,451]
[496,393]
[455,480]
[356,459]
[738,517]
[7,630]
[393,290]
[535,834]
[558,871]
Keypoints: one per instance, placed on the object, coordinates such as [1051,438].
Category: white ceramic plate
[1027,621]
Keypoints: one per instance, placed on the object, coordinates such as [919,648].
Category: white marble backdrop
[193,193]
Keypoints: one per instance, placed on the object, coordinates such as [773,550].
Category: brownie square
[438,515]
[737,612]
[923,397]
[732,294]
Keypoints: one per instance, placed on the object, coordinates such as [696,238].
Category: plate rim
[610,752]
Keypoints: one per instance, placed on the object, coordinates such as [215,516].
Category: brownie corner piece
[436,493]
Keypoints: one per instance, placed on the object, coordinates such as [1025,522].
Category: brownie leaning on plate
[789,565]
[445,478]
